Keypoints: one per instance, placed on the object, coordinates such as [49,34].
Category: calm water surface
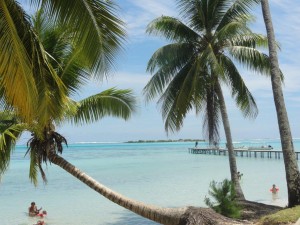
[163,174]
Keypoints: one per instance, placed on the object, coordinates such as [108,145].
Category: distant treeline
[153,141]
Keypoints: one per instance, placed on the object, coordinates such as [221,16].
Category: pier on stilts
[241,152]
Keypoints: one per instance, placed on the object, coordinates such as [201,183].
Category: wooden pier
[241,152]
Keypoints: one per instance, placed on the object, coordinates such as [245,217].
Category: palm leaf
[112,102]
[17,80]
[167,60]
[175,103]
[172,29]
[8,138]
[237,10]
[243,98]
[252,58]
[96,29]
[211,120]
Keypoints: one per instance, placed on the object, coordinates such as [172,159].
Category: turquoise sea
[163,174]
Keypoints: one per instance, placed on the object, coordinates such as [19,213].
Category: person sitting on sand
[32,210]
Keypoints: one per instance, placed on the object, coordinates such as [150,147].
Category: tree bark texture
[290,162]
[231,155]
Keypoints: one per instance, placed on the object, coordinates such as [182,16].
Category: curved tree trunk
[290,162]
[167,216]
[231,155]
[157,214]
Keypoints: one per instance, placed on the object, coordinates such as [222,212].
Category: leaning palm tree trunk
[157,214]
[291,166]
[231,156]
[167,216]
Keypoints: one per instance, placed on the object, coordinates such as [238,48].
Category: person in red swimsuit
[274,189]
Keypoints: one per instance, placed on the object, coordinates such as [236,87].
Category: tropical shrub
[224,199]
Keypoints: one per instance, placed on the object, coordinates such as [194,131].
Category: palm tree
[290,162]
[46,144]
[24,68]
[189,72]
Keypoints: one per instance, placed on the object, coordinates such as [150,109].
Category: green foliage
[9,133]
[205,46]
[286,216]
[224,202]
[73,67]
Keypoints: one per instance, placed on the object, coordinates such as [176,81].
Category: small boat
[262,147]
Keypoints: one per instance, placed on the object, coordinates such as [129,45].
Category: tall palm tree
[290,162]
[24,67]
[46,144]
[189,72]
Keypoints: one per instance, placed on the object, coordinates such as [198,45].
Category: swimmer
[274,189]
[32,210]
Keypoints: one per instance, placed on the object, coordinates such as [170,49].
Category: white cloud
[140,13]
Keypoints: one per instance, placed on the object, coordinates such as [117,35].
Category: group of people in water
[33,211]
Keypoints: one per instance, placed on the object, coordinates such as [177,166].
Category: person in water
[239,175]
[32,210]
[43,214]
[274,189]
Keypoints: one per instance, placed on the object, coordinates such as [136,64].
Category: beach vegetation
[290,161]
[224,199]
[74,70]
[285,216]
[25,68]
[190,72]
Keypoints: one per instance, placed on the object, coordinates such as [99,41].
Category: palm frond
[239,91]
[178,97]
[167,61]
[17,80]
[172,29]
[253,59]
[39,149]
[33,167]
[211,114]
[96,28]
[231,31]
[195,12]
[8,138]
[249,40]
[237,10]
[111,102]
[24,64]
[209,57]
[64,57]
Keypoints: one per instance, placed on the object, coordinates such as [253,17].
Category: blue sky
[131,73]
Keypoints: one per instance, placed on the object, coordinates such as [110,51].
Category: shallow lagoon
[163,174]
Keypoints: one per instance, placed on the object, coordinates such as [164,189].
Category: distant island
[169,140]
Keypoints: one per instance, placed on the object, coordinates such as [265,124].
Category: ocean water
[163,174]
